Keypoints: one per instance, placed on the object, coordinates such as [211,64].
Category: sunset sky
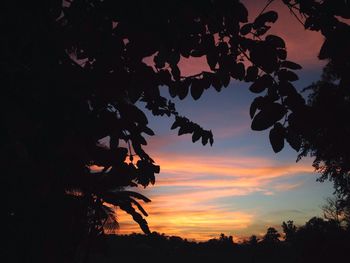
[239,186]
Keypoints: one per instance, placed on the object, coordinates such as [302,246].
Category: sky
[239,186]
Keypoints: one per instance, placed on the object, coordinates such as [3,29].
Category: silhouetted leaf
[197,53]
[290,65]
[196,89]
[238,71]
[216,82]
[136,114]
[156,169]
[173,88]
[196,135]
[185,128]
[208,41]
[205,139]
[275,41]
[211,138]
[272,93]
[176,124]
[148,131]
[264,56]
[246,29]
[325,50]
[252,73]
[256,104]
[262,30]
[222,48]
[136,217]
[175,71]
[159,60]
[294,101]
[311,23]
[281,53]
[261,84]
[242,12]
[270,16]
[277,137]
[287,75]
[268,116]
[293,139]
[212,59]
[164,77]
[121,194]
[183,88]
[224,78]
[174,58]
[139,207]
[139,139]
[286,88]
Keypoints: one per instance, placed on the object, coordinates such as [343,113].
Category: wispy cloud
[287,187]
[235,167]
[182,200]
[199,224]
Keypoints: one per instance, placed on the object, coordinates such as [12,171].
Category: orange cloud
[230,166]
[192,224]
[183,197]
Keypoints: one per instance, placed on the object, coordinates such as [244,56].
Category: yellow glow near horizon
[182,199]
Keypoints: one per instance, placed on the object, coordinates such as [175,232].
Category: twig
[295,15]
[266,6]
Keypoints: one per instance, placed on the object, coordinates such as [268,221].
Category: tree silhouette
[325,131]
[72,72]
[271,236]
[333,210]
[253,240]
[289,230]
[307,246]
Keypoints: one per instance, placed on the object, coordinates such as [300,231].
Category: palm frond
[111,221]
[143,211]
[121,194]
[127,207]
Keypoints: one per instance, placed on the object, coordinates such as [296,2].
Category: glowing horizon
[188,199]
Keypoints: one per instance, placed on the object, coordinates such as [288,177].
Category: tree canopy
[72,72]
[326,137]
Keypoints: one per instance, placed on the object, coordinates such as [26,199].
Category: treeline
[318,240]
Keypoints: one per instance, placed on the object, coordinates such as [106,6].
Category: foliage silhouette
[333,210]
[271,236]
[73,72]
[316,241]
[289,230]
[325,130]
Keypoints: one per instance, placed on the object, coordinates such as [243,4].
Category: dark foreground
[312,243]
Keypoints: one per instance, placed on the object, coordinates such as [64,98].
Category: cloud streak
[188,186]
[199,224]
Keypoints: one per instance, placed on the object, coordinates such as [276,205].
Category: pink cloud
[302,45]
[287,187]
